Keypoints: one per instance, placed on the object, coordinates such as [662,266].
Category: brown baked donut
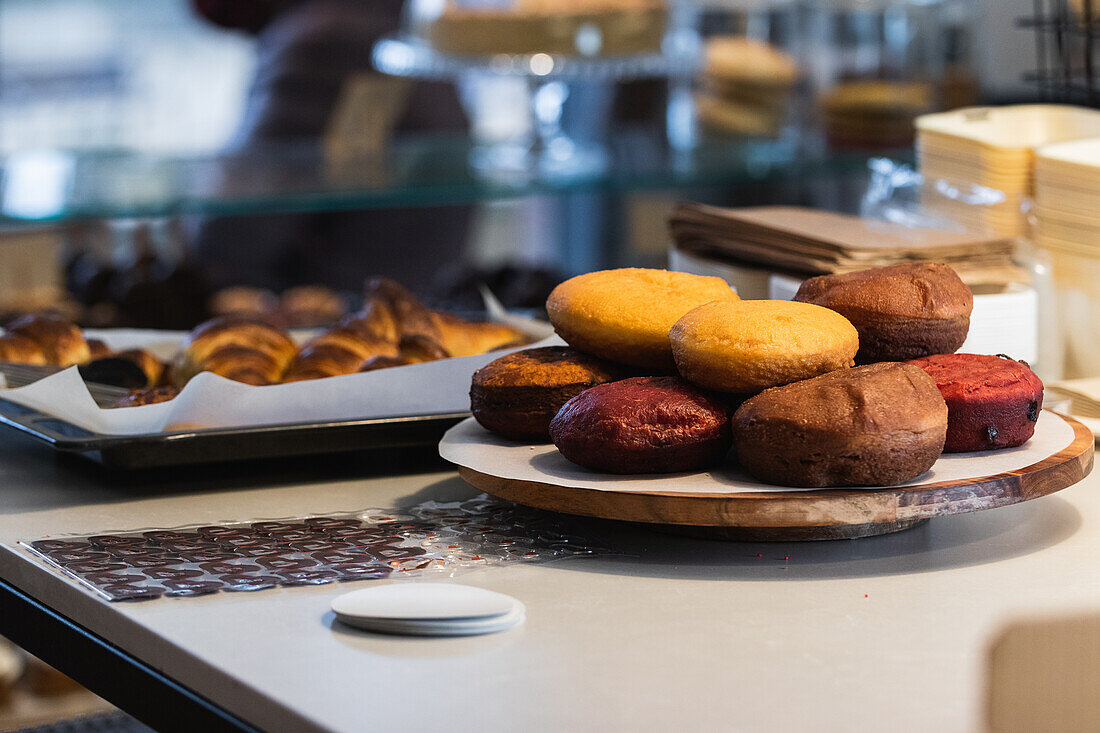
[901,312]
[875,425]
[60,340]
[18,349]
[517,395]
[643,425]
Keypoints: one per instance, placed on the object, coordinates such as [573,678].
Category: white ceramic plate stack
[995,147]
[428,609]
[1067,215]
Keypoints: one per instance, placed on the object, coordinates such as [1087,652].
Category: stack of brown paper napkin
[808,242]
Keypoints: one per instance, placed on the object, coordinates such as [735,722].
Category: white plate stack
[428,609]
[995,147]
[1067,216]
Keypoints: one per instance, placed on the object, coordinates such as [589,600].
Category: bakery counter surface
[888,632]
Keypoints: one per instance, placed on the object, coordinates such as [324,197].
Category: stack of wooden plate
[1067,196]
[1067,215]
[995,147]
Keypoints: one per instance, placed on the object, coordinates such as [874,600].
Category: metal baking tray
[228,444]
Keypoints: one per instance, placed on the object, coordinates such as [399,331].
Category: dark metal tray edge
[228,444]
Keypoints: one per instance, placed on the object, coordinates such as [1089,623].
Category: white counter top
[880,633]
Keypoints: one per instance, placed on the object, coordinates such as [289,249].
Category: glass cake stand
[539,115]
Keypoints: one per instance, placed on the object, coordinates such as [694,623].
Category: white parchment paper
[210,401]
[470,445]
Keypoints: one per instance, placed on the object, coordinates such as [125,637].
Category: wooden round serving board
[805,515]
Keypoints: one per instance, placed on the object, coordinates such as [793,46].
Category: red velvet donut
[643,425]
[992,401]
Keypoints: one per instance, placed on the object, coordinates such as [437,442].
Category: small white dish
[423,602]
[452,627]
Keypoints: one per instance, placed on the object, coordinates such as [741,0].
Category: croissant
[242,349]
[411,316]
[20,350]
[339,351]
[418,348]
[456,336]
[467,338]
[61,341]
[376,320]
[383,362]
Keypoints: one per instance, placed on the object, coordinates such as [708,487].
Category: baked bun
[746,346]
[992,401]
[643,425]
[876,425]
[20,350]
[61,341]
[625,315]
[309,306]
[242,349]
[901,312]
[517,395]
[147,396]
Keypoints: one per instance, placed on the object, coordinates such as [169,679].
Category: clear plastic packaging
[430,538]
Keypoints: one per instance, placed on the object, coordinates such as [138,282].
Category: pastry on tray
[625,315]
[746,346]
[876,425]
[61,341]
[992,401]
[747,86]
[21,350]
[901,312]
[643,425]
[147,396]
[342,350]
[242,349]
[517,395]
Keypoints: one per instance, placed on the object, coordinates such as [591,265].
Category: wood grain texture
[817,514]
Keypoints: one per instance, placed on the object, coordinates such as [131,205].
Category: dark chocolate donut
[875,425]
[901,311]
[516,395]
[643,425]
[992,401]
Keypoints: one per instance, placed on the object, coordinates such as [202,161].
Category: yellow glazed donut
[747,346]
[624,315]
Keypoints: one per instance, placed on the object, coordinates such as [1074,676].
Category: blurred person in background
[306,51]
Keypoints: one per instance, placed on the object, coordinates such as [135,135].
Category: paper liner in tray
[209,401]
[471,446]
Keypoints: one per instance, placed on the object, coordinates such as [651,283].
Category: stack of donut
[854,383]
